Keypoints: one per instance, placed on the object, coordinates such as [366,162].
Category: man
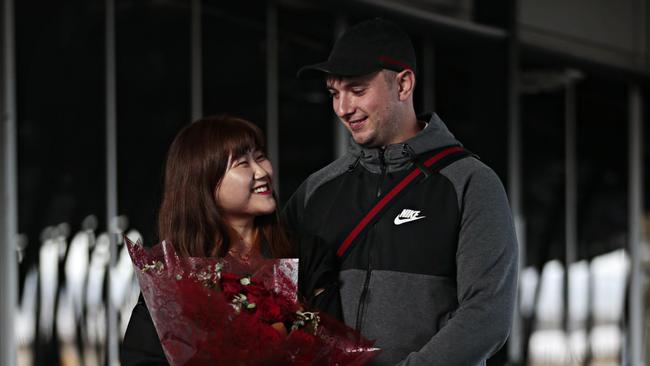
[432,277]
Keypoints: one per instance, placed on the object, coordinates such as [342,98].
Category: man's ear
[405,84]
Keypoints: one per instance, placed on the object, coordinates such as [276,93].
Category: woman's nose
[260,171]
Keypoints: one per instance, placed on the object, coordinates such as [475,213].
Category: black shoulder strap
[433,164]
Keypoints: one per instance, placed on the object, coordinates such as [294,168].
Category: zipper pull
[408,150]
[353,166]
[382,166]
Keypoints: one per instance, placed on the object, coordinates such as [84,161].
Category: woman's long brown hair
[196,162]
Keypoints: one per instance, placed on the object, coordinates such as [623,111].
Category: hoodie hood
[434,135]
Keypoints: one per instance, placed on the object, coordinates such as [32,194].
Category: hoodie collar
[400,156]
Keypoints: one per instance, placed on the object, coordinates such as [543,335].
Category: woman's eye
[260,157]
[241,163]
[359,91]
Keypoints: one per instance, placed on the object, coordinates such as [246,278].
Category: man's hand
[280,328]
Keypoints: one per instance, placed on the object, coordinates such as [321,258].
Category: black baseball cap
[367,47]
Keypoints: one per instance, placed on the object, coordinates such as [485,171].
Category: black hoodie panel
[333,212]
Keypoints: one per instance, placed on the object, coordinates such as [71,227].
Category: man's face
[367,106]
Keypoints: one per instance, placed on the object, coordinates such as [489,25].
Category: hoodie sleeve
[486,260]
[291,215]
[319,269]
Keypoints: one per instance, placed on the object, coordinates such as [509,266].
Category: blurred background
[551,94]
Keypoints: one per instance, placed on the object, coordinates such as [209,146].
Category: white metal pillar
[636,323]
[272,91]
[111,177]
[8,191]
[570,193]
[516,342]
[197,62]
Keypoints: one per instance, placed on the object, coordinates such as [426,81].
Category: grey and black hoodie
[434,279]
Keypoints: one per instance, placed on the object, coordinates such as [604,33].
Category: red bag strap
[377,208]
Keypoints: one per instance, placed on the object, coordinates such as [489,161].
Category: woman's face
[246,189]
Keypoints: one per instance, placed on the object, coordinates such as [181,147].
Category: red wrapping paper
[190,300]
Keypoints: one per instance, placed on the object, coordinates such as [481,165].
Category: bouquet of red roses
[220,311]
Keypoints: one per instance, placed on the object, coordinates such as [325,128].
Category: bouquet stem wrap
[211,311]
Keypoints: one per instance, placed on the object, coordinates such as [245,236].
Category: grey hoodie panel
[473,172]
[434,136]
[410,307]
[486,277]
[398,156]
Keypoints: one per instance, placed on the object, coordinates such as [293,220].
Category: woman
[218,201]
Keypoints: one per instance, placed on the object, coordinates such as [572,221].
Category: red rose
[287,307]
[230,289]
[252,299]
[227,276]
[269,311]
[306,347]
[257,290]
[301,337]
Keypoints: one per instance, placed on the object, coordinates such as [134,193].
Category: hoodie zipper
[382,167]
[361,306]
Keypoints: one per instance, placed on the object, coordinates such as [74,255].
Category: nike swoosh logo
[400,221]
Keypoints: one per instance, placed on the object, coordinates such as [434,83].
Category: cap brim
[313,71]
[334,68]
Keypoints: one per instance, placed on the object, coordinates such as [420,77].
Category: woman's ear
[405,84]
[215,190]
[215,195]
